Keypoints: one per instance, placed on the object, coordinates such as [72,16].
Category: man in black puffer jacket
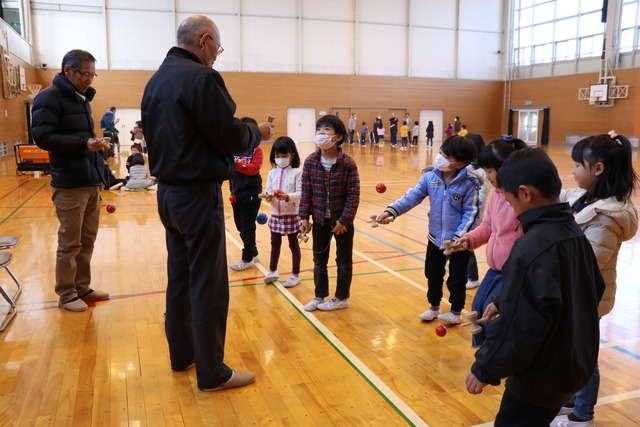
[62,125]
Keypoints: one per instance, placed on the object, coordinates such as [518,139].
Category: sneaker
[115,187]
[242,265]
[564,421]
[238,379]
[256,259]
[429,314]
[313,304]
[291,282]
[271,277]
[94,295]
[75,304]
[472,284]
[450,317]
[153,187]
[333,304]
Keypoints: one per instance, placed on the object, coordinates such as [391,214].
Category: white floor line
[353,359]
[398,275]
[390,271]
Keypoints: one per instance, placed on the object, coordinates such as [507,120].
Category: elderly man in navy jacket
[62,125]
[191,133]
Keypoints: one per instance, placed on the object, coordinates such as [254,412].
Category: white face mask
[283,162]
[443,164]
[324,141]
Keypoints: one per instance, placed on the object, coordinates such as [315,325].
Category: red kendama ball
[277,193]
[441,331]
[111,208]
[381,188]
[232,198]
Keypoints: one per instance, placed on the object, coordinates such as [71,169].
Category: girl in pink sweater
[499,230]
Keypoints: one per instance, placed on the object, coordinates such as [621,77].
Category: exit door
[301,124]
[528,126]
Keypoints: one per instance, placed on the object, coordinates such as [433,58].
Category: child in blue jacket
[455,206]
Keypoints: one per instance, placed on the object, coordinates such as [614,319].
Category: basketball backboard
[599,92]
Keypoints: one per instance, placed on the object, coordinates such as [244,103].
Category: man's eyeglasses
[86,75]
[220,48]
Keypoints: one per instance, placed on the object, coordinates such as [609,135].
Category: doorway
[128,118]
[301,124]
[528,126]
[437,117]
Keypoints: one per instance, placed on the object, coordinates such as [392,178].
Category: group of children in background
[406,134]
[542,334]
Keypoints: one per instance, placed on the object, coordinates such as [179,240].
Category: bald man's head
[192,28]
[200,35]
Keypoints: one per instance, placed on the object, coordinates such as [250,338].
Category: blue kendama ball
[262,218]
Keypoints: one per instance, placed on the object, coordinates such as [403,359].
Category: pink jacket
[500,229]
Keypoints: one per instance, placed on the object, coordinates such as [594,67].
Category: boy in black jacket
[546,340]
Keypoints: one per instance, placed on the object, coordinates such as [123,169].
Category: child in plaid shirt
[330,195]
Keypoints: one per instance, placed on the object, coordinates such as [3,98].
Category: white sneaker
[449,317]
[116,186]
[153,187]
[429,314]
[241,265]
[256,259]
[291,282]
[313,304]
[472,284]
[564,421]
[333,304]
[271,277]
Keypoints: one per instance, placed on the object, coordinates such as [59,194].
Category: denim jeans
[490,286]
[585,399]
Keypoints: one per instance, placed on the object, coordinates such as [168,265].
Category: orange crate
[31,153]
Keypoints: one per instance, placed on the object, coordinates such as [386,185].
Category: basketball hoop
[593,100]
[34,89]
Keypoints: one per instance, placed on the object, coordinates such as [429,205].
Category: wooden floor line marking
[398,404]
[23,203]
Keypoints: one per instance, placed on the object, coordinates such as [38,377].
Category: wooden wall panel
[478,103]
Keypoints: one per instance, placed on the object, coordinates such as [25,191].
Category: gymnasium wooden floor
[374,364]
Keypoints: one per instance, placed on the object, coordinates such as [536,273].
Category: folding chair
[5,260]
